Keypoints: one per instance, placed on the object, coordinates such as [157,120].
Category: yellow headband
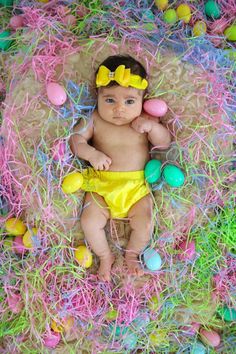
[122,76]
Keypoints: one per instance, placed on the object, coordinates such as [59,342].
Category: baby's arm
[158,135]
[80,147]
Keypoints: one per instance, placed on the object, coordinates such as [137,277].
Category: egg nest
[45,294]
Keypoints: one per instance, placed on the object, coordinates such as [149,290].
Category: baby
[116,144]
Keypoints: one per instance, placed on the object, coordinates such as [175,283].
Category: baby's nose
[119,106]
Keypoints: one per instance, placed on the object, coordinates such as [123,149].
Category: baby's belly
[128,159]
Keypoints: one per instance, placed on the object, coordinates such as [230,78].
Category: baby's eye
[109,100]
[130,101]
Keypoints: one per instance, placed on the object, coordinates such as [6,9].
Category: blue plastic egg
[173,176]
[141,321]
[130,340]
[198,348]
[152,171]
[152,259]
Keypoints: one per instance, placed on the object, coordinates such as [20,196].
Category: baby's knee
[92,220]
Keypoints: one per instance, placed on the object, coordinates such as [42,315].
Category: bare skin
[117,139]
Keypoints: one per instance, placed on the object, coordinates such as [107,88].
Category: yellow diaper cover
[120,190]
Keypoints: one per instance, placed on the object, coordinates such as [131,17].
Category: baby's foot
[133,264]
[104,271]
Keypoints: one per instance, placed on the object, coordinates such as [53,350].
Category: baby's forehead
[120,90]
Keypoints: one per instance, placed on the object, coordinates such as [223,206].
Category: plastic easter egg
[18,246]
[56,327]
[212,9]
[173,176]
[161,4]
[27,238]
[209,337]
[218,26]
[56,94]
[188,250]
[184,13]
[44,1]
[83,256]
[7,243]
[15,227]
[192,329]
[158,337]
[148,16]
[198,348]
[170,16]
[15,303]
[152,171]
[228,314]
[4,206]
[59,150]
[199,29]
[51,339]
[72,182]
[16,22]
[115,330]
[155,107]
[230,33]
[5,41]
[153,303]
[152,259]
[111,315]
[6,2]
[69,20]
[130,340]
[141,321]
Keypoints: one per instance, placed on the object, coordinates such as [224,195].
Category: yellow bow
[122,76]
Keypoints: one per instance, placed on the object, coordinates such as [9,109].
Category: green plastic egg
[228,314]
[170,16]
[230,33]
[173,176]
[152,171]
[212,9]
[5,42]
[6,2]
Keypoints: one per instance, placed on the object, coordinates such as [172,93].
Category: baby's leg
[142,227]
[93,220]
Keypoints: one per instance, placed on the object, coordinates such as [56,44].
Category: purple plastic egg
[155,107]
[56,94]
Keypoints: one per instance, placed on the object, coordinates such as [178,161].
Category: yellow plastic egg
[199,29]
[27,238]
[184,13]
[72,182]
[84,256]
[15,227]
[45,1]
[230,33]
[66,325]
[153,303]
[161,4]
[158,337]
[56,327]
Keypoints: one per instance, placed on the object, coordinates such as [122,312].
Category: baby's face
[119,105]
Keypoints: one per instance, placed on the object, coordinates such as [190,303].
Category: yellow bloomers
[120,190]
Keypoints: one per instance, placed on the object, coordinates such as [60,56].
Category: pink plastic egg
[51,339]
[59,149]
[56,94]
[211,338]
[155,107]
[18,246]
[69,20]
[15,302]
[16,22]
[218,26]
[188,249]
[192,329]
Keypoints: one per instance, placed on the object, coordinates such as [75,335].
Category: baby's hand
[100,161]
[142,125]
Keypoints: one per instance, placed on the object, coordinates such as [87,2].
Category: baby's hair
[114,61]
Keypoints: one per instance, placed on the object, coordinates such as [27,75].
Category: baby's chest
[117,136]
